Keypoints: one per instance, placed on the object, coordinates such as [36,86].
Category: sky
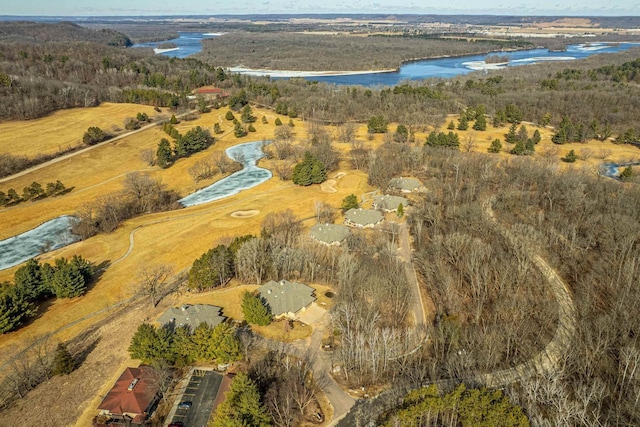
[209,7]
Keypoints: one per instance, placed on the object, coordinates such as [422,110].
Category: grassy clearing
[64,129]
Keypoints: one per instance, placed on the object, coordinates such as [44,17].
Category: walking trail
[544,362]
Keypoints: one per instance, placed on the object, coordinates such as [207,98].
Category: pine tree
[225,344]
[163,153]
[570,157]
[63,363]
[511,137]
[242,406]
[518,149]
[254,310]
[451,125]
[496,146]
[536,136]
[481,123]
[400,211]
[349,202]
[28,279]
[15,308]
[229,116]
[626,174]
[278,122]
[217,129]
[173,120]
[264,120]
[68,280]
[463,124]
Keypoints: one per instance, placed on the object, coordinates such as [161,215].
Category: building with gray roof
[389,203]
[192,315]
[406,185]
[363,218]
[285,298]
[329,234]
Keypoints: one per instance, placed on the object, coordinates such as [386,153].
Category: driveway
[312,314]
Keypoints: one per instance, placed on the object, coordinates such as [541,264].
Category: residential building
[406,185]
[363,218]
[131,400]
[389,203]
[192,315]
[329,234]
[285,298]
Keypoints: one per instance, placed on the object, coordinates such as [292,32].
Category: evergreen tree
[68,280]
[254,310]
[278,122]
[463,123]
[529,147]
[13,197]
[536,136]
[264,120]
[152,345]
[251,128]
[402,134]
[377,124]
[518,149]
[63,363]
[247,115]
[229,116]
[4,199]
[242,406]
[164,153]
[309,171]
[349,202]
[451,125]
[291,124]
[511,137]
[15,308]
[523,134]
[239,130]
[28,279]
[496,146]
[183,346]
[225,343]
[212,269]
[217,129]
[203,342]
[481,123]
[173,120]
[570,157]
[400,211]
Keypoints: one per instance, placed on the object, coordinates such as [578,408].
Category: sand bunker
[329,186]
[340,175]
[245,214]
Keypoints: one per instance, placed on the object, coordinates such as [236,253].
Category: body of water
[57,233]
[190,43]
[47,237]
[251,175]
[186,44]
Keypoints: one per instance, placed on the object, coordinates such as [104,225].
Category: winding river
[56,233]
[191,43]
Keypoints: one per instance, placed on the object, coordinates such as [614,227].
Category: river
[191,43]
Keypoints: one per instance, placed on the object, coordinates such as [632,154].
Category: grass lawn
[64,129]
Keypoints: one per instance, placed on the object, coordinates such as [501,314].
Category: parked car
[176,424]
[184,405]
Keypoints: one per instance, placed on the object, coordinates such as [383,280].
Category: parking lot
[201,392]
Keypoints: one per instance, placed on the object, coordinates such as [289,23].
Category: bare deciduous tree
[153,281]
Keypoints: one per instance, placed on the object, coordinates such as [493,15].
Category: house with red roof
[131,400]
[210,92]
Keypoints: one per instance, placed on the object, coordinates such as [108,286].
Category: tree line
[35,283]
[35,191]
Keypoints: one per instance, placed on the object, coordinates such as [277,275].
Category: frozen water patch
[481,65]
[545,58]
[159,51]
[251,175]
[46,237]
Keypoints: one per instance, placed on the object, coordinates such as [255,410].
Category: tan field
[174,238]
[178,237]
[64,129]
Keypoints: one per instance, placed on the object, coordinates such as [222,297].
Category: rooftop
[329,233]
[132,394]
[389,203]
[192,315]
[286,297]
[363,217]
[405,184]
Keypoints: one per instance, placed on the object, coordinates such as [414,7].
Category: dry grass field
[178,237]
[64,129]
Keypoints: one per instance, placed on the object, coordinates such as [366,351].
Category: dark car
[176,424]
[184,405]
